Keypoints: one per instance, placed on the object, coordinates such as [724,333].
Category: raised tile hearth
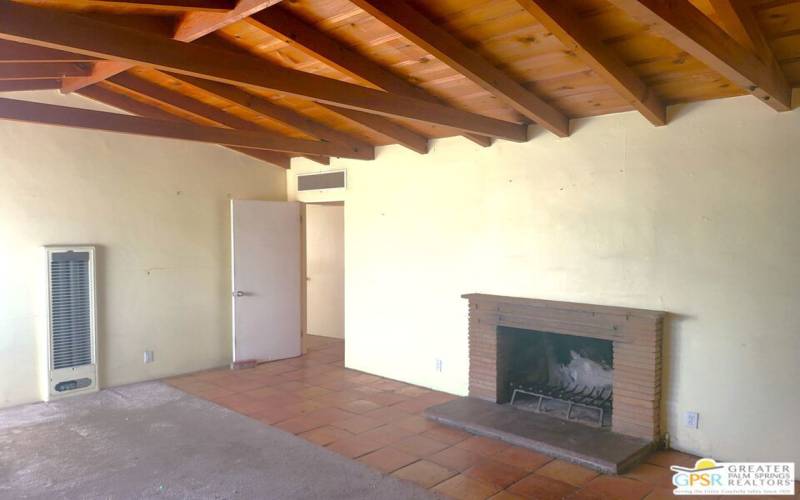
[599,449]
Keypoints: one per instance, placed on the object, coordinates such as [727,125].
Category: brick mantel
[635,334]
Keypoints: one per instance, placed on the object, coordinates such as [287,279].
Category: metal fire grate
[574,396]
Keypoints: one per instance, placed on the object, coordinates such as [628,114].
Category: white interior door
[266,258]
[325,270]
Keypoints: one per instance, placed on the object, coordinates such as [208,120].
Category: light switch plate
[149,356]
[692,419]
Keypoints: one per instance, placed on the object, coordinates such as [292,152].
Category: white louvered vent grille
[70,310]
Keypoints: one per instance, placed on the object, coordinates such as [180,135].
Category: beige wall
[325,270]
[699,218]
[157,210]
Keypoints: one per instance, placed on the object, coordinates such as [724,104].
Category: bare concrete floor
[152,441]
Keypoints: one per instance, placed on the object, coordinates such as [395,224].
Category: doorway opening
[324,269]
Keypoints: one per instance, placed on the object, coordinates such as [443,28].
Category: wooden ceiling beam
[387,128]
[192,26]
[11,52]
[416,27]
[284,26]
[273,111]
[27,85]
[155,6]
[198,24]
[560,19]
[208,112]
[201,109]
[49,114]
[39,71]
[124,103]
[65,31]
[739,20]
[682,24]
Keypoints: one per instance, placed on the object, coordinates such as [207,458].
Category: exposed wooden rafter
[67,31]
[26,85]
[739,21]
[561,20]
[192,26]
[121,102]
[49,114]
[38,71]
[273,111]
[11,52]
[684,25]
[279,23]
[416,27]
[387,128]
[197,108]
[151,6]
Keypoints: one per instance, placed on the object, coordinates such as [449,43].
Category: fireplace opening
[565,376]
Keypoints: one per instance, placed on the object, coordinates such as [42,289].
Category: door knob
[238,293]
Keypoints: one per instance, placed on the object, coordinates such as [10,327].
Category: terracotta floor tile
[388,459]
[308,406]
[363,378]
[446,435]
[358,424]
[653,474]
[355,446]
[298,425]
[424,473]
[419,446]
[456,458]
[541,488]
[330,415]
[465,488]
[416,423]
[415,405]
[275,415]
[388,433]
[567,472]
[390,385]
[386,398]
[261,392]
[613,488]
[497,473]
[325,435]
[414,391]
[313,392]
[483,445]
[387,414]
[359,406]
[665,458]
[522,458]
[506,495]
[336,397]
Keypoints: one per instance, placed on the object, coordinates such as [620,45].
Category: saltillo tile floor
[379,422]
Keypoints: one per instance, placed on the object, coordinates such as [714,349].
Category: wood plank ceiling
[334,78]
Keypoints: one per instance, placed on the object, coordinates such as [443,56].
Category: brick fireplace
[635,336]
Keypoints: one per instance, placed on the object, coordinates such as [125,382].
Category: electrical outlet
[149,357]
[692,419]
[439,365]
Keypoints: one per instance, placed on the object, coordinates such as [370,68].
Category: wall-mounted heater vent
[321,181]
[71,322]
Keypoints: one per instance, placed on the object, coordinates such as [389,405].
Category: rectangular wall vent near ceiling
[321,181]
[71,352]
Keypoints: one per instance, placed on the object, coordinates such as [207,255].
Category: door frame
[304,265]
